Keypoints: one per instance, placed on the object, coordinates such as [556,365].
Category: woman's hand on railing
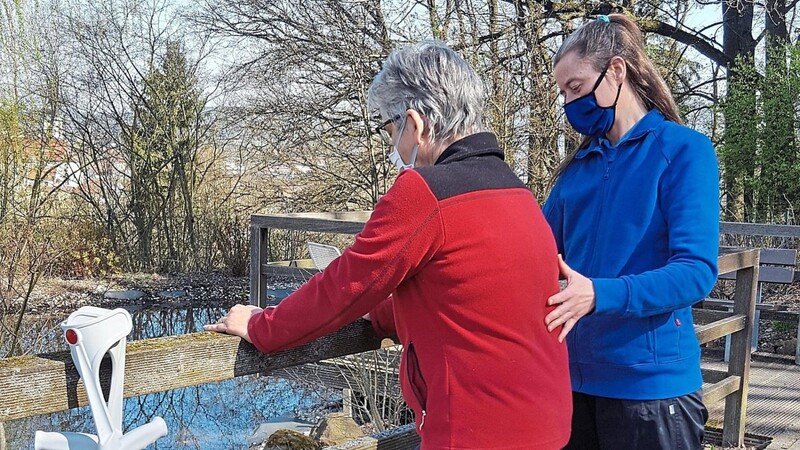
[235,322]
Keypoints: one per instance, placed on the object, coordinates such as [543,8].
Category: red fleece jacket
[470,273]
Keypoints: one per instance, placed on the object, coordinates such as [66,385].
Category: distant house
[49,162]
[58,165]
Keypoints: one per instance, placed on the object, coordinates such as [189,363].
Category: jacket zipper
[413,371]
[579,328]
[603,192]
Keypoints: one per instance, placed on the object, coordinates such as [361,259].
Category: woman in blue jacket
[635,213]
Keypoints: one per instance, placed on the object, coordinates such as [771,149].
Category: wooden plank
[259,254]
[759,229]
[797,345]
[776,256]
[342,216]
[714,303]
[744,303]
[43,384]
[720,328]
[721,389]
[712,376]
[768,274]
[332,376]
[401,438]
[785,316]
[343,222]
[707,316]
[297,272]
[735,260]
[255,264]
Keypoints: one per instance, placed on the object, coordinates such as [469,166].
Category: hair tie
[603,18]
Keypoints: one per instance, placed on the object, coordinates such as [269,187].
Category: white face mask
[395,157]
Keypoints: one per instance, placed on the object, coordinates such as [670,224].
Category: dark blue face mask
[589,118]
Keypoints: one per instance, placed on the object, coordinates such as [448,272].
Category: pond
[214,416]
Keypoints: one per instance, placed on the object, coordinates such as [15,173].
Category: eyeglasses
[381,131]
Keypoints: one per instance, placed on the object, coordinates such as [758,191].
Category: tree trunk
[778,157]
[739,46]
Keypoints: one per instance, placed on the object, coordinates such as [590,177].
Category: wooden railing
[779,244]
[732,385]
[48,383]
[260,226]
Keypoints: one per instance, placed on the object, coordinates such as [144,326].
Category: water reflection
[218,416]
[213,416]
[41,333]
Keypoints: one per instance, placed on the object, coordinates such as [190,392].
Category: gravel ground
[210,288]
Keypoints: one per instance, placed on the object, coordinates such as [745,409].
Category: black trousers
[600,423]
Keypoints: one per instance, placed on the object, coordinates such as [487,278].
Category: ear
[618,69]
[416,125]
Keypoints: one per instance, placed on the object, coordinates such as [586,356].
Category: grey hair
[435,81]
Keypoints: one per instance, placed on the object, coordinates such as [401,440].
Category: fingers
[557,318]
[566,329]
[213,327]
[555,299]
[218,327]
[221,326]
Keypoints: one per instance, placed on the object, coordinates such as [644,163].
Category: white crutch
[91,333]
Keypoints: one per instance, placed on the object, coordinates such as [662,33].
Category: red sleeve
[382,317]
[402,234]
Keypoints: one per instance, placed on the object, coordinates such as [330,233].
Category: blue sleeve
[554,214]
[689,197]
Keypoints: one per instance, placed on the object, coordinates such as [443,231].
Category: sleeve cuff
[254,330]
[611,296]
[382,317]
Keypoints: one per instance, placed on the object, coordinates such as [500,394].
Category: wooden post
[739,365]
[259,255]
[341,222]
[797,344]
[2,436]
[347,402]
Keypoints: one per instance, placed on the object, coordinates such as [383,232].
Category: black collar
[473,145]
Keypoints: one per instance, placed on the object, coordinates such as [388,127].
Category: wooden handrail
[42,384]
[759,229]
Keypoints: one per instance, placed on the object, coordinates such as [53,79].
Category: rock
[172,294]
[786,346]
[124,295]
[279,423]
[290,440]
[335,429]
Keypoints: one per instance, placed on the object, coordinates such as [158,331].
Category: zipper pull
[608,169]
[422,424]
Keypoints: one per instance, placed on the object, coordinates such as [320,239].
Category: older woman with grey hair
[479,368]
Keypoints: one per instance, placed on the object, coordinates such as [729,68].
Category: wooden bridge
[48,383]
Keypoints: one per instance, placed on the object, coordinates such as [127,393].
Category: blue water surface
[212,416]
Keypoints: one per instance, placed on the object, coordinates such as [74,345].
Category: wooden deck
[773,406]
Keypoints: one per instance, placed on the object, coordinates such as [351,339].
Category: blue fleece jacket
[641,219]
